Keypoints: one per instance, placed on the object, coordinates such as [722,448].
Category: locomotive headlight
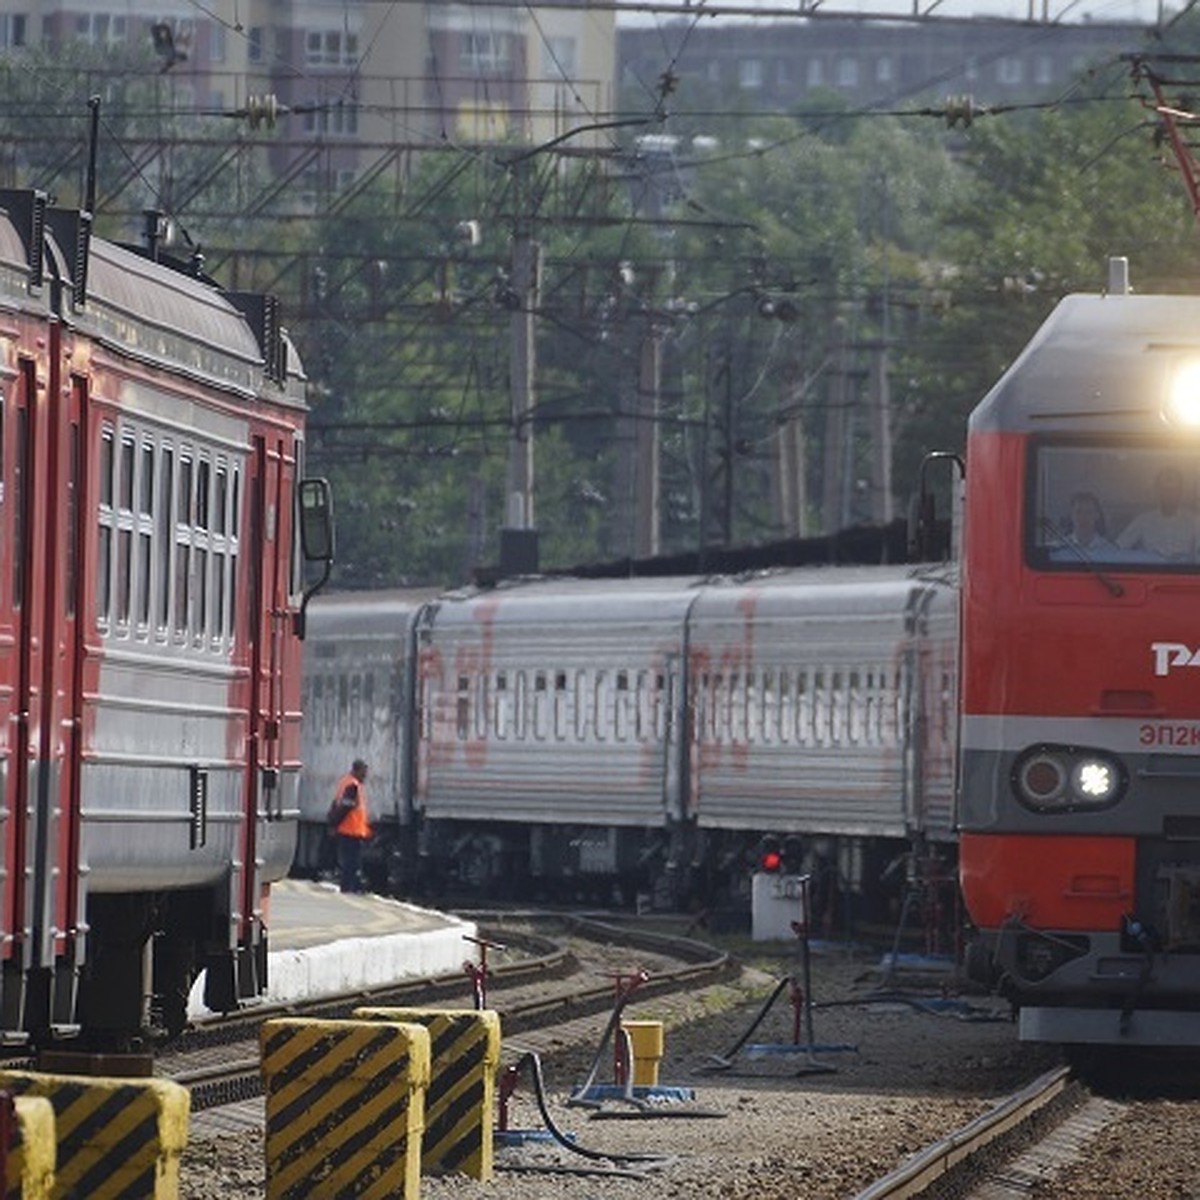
[1053,779]
[1094,779]
[1042,779]
[1183,396]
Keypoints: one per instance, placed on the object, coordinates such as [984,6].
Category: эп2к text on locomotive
[603,740]
[151,436]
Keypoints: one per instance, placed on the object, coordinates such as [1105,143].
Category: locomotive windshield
[1116,506]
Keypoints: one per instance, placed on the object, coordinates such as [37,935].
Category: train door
[18,669]
[269,483]
[30,882]
[58,802]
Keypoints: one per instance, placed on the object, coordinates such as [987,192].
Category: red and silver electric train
[1079,794]
[151,442]
[611,739]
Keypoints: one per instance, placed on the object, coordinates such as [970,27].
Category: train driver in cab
[1086,530]
[1168,530]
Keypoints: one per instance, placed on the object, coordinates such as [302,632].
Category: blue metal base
[521,1137]
[641,1091]
[769,1049]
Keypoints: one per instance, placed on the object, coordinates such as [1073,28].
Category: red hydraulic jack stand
[479,973]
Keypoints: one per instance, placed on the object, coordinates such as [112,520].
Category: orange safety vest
[354,824]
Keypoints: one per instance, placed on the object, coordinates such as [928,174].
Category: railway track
[1007,1151]
[218,1061]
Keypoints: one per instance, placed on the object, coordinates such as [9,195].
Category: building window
[1010,71]
[847,72]
[559,56]
[1043,71]
[485,53]
[885,69]
[12,29]
[216,44]
[330,48]
[254,44]
[750,73]
[98,29]
[815,75]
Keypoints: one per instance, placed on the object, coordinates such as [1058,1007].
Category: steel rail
[932,1165]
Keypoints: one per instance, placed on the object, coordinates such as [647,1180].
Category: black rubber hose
[531,1060]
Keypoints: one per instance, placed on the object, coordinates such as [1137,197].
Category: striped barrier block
[116,1139]
[462,1086]
[29,1165]
[345,1108]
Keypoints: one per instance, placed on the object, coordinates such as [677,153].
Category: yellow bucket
[646,1041]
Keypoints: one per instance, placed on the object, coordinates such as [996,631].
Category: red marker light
[770,861]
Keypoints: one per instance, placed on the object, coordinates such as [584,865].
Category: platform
[322,942]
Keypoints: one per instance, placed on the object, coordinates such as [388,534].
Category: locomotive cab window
[1114,506]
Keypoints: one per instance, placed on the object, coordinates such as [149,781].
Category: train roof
[803,593]
[1099,363]
[529,601]
[335,615]
[162,316]
[166,315]
[793,590]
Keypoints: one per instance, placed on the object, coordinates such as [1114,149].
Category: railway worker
[1169,528]
[349,819]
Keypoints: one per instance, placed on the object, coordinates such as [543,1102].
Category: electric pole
[518,538]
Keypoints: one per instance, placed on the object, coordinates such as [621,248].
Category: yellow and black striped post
[345,1108]
[29,1161]
[117,1139]
[462,1086]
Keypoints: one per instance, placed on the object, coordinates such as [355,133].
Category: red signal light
[770,861]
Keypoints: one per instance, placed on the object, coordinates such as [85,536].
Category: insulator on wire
[960,110]
[262,110]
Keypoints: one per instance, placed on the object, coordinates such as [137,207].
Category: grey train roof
[1099,363]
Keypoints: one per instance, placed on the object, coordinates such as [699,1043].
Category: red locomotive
[1079,801]
[151,592]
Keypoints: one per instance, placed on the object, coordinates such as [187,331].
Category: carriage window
[854,709]
[541,710]
[581,708]
[663,708]
[163,535]
[500,722]
[520,702]
[805,720]
[203,473]
[1118,506]
[600,713]
[621,707]
[125,475]
[562,711]
[462,708]
[769,715]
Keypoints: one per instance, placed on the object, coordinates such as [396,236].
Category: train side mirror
[315,504]
[927,539]
[316,520]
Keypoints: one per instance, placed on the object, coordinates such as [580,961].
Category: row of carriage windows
[855,706]
[168,544]
[817,707]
